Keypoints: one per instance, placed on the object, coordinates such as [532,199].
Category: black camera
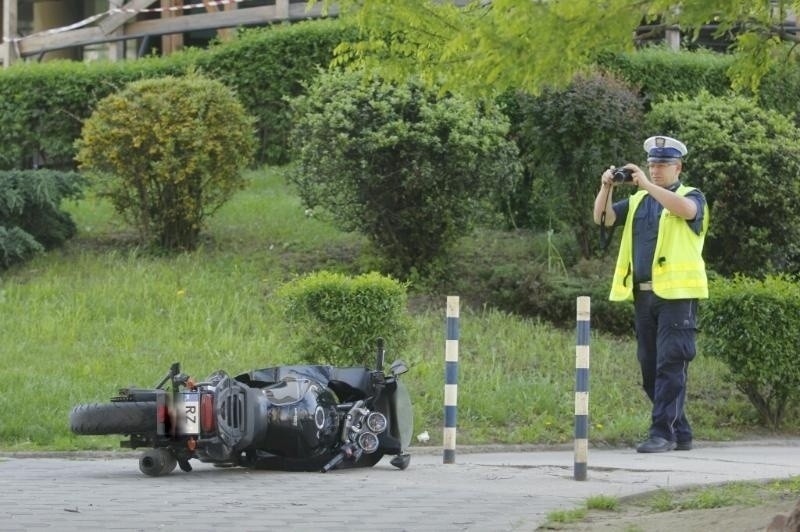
[622,175]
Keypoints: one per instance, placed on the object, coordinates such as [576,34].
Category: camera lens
[622,175]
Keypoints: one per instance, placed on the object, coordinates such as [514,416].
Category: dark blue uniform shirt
[645,229]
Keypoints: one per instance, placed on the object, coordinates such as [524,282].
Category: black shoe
[683,445]
[655,445]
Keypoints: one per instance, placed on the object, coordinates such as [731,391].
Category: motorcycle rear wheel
[125,417]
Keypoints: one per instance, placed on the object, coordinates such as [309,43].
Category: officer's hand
[639,177]
[607,180]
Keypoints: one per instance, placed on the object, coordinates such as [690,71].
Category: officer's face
[664,174]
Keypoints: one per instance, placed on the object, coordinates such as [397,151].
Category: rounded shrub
[167,152]
[751,325]
[566,139]
[337,319]
[409,170]
[744,158]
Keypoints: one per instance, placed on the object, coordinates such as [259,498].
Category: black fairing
[286,448]
[302,420]
[349,384]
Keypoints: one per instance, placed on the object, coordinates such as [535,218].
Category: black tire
[114,418]
[157,462]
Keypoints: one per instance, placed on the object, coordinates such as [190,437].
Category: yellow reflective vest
[679,271]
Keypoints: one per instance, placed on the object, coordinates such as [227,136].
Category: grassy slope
[78,323]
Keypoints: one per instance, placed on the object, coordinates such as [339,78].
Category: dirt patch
[631,518]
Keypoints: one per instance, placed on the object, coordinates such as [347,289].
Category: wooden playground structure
[122,22]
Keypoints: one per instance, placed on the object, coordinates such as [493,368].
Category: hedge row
[660,73]
[267,66]
[42,106]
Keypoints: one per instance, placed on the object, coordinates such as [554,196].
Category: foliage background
[566,139]
[744,159]
[100,314]
[42,105]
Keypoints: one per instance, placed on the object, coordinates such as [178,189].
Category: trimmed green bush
[337,319]
[410,171]
[31,219]
[566,139]
[744,159]
[752,326]
[168,152]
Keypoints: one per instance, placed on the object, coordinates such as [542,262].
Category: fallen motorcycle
[293,418]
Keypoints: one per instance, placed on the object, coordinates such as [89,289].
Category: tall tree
[483,46]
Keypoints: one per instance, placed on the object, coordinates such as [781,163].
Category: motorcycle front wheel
[124,417]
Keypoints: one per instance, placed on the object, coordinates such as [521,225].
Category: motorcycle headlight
[377,422]
[368,441]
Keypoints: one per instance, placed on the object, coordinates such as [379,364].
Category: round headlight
[319,417]
[377,422]
[368,441]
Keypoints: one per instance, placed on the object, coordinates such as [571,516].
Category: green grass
[731,494]
[566,516]
[78,323]
[562,517]
[739,494]
[602,502]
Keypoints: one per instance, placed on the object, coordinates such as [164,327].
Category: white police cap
[661,149]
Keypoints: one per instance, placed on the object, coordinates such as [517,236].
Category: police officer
[660,267]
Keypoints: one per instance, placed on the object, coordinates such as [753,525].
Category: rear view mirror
[398,367]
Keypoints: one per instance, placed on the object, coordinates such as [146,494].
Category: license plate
[188,414]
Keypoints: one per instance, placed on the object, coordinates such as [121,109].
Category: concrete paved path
[492,490]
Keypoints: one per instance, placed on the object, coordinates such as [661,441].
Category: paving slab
[494,489]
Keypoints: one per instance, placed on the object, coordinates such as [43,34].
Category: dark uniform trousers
[665,334]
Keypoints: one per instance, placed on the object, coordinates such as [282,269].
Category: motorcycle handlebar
[348,450]
[174,369]
[380,354]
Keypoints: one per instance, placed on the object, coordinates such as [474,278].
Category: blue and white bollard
[582,389]
[450,380]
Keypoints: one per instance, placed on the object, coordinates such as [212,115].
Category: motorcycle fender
[402,415]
